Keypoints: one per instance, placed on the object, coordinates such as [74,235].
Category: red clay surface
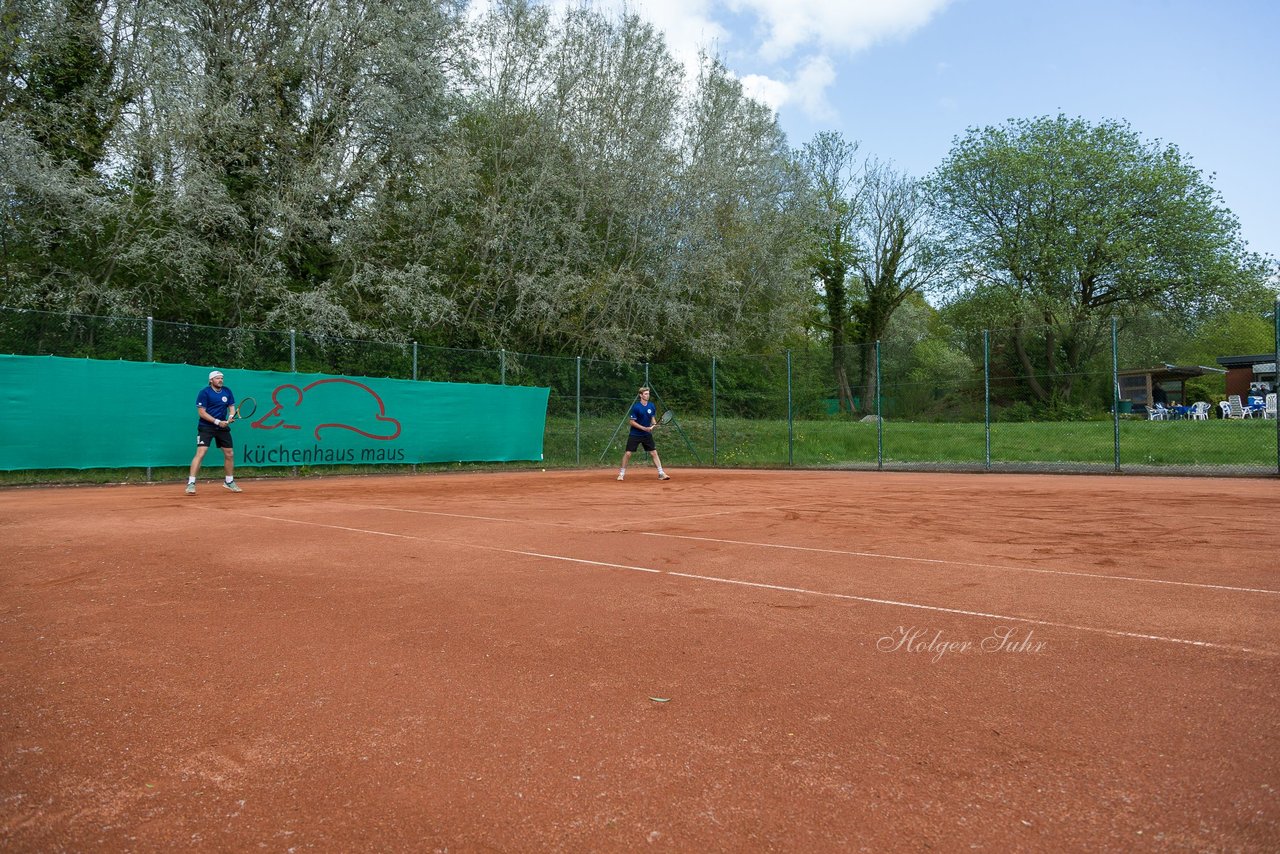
[469,663]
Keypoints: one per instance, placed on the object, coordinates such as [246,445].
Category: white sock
[229,478]
[190,479]
[622,470]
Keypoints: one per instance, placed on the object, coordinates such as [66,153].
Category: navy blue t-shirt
[216,403]
[641,413]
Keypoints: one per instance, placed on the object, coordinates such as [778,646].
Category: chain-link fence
[1087,398]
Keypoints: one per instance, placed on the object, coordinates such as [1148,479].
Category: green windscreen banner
[83,413]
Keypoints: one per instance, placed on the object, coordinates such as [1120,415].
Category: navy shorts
[210,435]
[645,439]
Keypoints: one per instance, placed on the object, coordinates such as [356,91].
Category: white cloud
[807,88]
[812,81]
[835,26]
[766,90]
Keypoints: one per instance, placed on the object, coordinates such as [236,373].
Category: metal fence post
[151,353]
[713,410]
[293,369]
[502,365]
[414,347]
[1115,388]
[879,414]
[577,424]
[791,435]
[986,396]
[1275,357]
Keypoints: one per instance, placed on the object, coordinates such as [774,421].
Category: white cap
[213,374]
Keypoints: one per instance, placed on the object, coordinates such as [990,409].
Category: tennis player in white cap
[215,404]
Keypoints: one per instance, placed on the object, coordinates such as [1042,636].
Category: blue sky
[905,77]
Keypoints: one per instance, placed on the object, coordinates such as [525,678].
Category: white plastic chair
[1237,409]
[1157,413]
[1270,411]
[1224,409]
[1199,411]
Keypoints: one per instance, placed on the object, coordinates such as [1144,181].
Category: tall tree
[1064,224]
[898,256]
[567,126]
[59,102]
[830,163]
[737,243]
[620,212]
[264,133]
[66,100]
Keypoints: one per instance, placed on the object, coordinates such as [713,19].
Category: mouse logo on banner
[330,404]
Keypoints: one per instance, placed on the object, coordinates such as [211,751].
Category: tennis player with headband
[641,434]
[216,406]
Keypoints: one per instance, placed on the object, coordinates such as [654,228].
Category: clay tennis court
[734,660]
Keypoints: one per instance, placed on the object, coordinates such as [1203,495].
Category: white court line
[326,525]
[846,596]
[1112,632]
[684,516]
[1100,576]
[573,525]
[1004,568]
[452,543]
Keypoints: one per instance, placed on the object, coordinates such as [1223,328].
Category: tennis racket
[244,409]
[666,418]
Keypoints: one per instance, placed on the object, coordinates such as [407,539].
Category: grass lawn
[741,442]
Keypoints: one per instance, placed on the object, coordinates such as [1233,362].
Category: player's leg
[202,445]
[662,475]
[197,460]
[201,448]
[229,462]
[633,442]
